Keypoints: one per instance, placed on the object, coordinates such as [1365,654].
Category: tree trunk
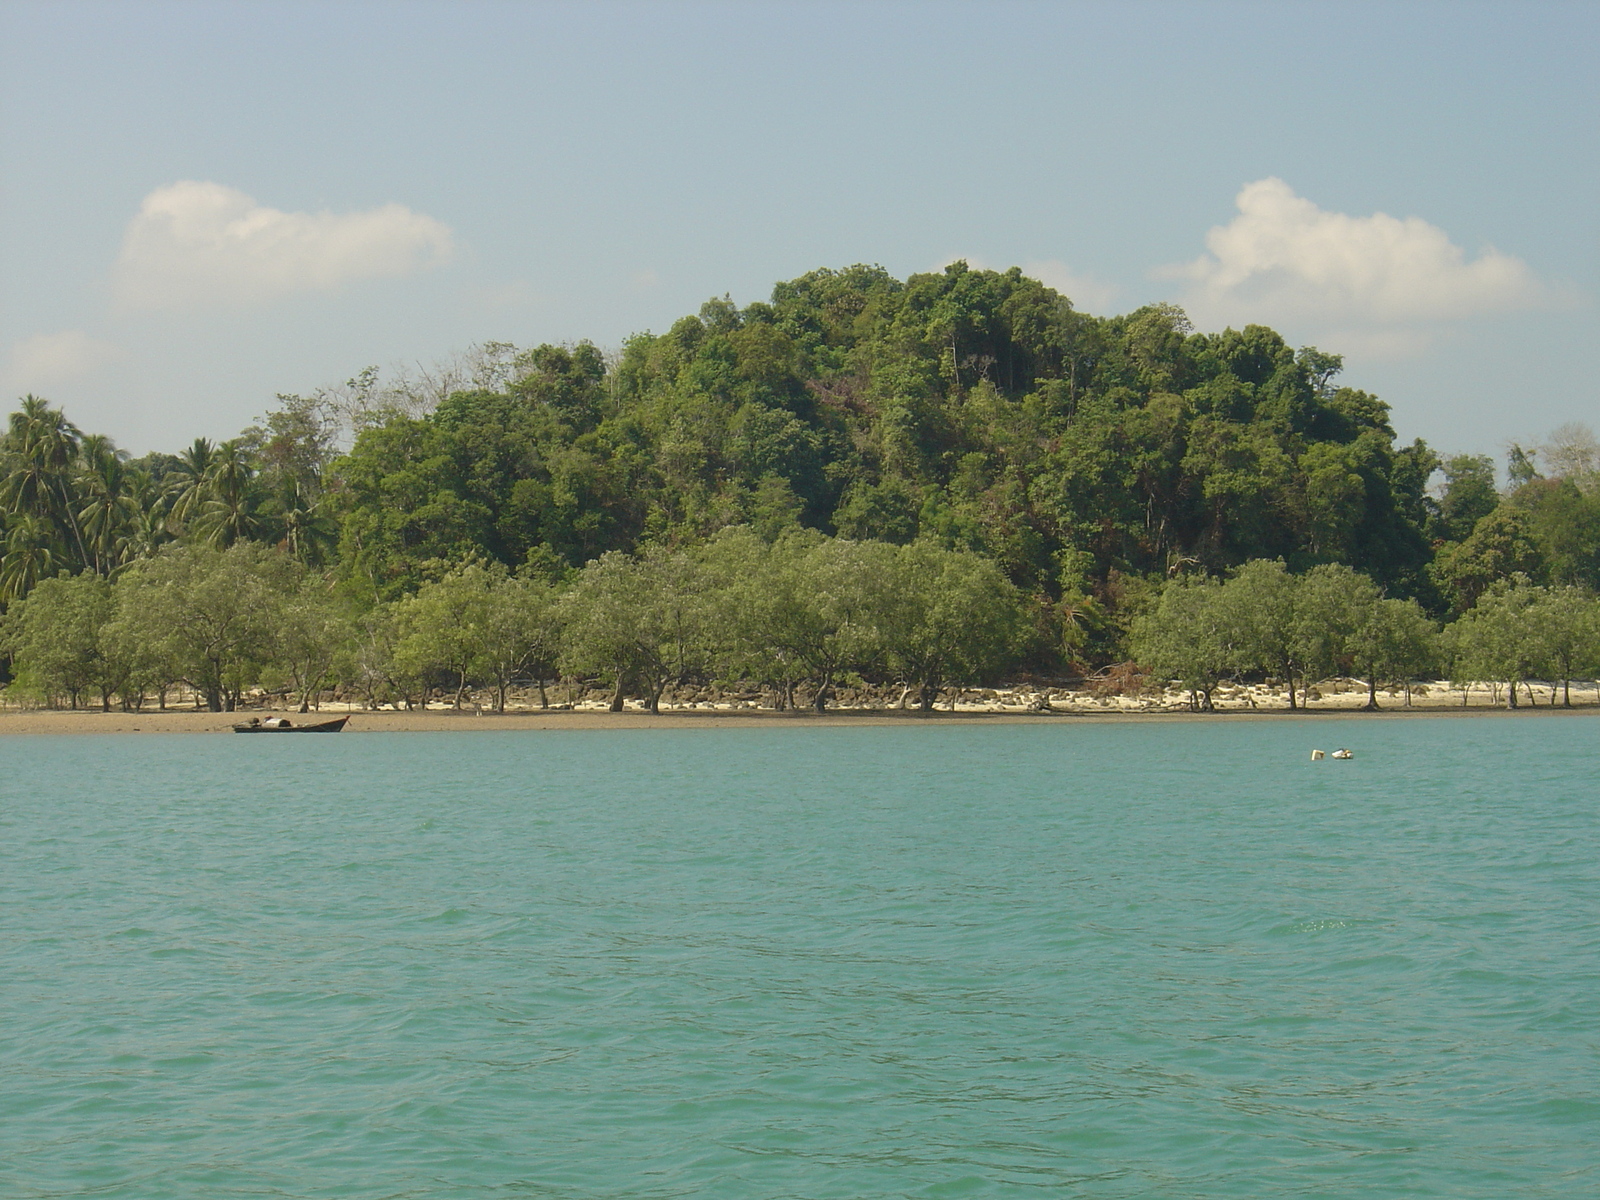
[616,693]
[1288,677]
[1566,693]
[1511,695]
[820,700]
[72,521]
[927,694]
[1372,694]
[655,697]
[544,701]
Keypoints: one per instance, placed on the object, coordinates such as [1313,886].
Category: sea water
[938,960]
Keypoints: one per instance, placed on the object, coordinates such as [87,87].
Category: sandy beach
[994,708]
[441,719]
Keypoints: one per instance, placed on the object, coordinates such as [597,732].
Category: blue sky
[202,205]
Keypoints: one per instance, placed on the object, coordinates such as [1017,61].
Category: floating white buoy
[1317,756]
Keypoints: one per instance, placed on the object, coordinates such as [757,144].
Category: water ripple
[1130,961]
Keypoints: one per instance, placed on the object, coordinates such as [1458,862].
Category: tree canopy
[957,446]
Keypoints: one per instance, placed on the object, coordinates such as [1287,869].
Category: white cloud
[47,360]
[1283,259]
[200,243]
[1374,342]
[1086,293]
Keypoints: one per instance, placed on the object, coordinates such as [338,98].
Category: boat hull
[320,727]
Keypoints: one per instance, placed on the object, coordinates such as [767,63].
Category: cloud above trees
[197,243]
[48,360]
[1087,293]
[1379,279]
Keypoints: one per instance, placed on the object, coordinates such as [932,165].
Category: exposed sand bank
[1005,706]
[437,719]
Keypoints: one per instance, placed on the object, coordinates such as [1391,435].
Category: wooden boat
[284,725]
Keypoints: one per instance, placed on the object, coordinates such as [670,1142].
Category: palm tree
[308,531]
[148,531]
[188,483]
[232,511]
[30,555]
[111,511]
[43,446]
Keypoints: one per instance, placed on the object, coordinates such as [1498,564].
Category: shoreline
[16,722]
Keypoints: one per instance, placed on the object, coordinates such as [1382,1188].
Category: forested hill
[1090,457]
[974,407]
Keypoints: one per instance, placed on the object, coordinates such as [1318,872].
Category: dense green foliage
[804,611]
[1266,622]
[974,408]
[1028,484]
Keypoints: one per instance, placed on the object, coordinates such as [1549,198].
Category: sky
[203,205]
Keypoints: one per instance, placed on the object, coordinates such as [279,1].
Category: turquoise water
[1165,960]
